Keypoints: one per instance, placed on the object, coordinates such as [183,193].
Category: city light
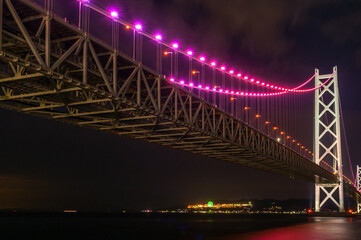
[127,27]
[223,68]
[189,52]
[175,45]
[211,205]
[213,64]
[202,58]
[231,71]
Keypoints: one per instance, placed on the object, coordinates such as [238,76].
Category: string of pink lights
[251,94]
[158,37]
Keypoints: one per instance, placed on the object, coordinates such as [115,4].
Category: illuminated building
[218,206]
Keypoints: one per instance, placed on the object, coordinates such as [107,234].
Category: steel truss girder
[146,104]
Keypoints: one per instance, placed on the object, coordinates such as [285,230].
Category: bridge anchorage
[53,69]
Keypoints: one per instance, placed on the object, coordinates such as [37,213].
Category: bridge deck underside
[86,83]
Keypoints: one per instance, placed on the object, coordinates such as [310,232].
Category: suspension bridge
[126,81]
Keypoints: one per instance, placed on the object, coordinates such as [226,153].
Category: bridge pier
[327,137]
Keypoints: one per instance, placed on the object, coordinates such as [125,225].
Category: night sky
[52,166]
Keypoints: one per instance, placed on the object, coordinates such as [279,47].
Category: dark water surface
[175,226]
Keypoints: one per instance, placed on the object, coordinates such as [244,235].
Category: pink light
[252,80]
[272,86]
[214,89]
[191,84]
[231,71]
[223,68]
[189,52]
[246,77]
[181,82]
[85,1]
[158,37]
[226,91]
[138,27]
[239,75]
[242,93]
[257,82]
[213,64]
[202,59]
[175,45]
[263,84]
[267,85]
[237,93]
[220,90]
[172,79]
[200,86]
[232,92]
[207,88]
[114,14]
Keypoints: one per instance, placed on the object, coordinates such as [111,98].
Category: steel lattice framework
[358,177]
[52,69]
[328,136]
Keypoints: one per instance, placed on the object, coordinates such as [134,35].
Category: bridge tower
[358,188]
[327,138]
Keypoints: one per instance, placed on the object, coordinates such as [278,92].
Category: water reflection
[319,228]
